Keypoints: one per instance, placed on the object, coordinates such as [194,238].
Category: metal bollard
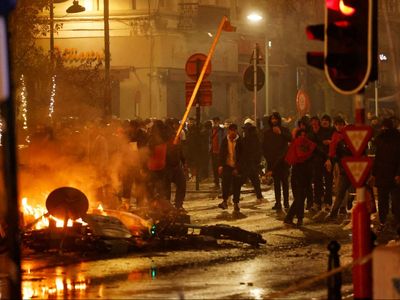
[334,283]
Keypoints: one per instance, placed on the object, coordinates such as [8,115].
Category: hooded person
[275,145]
[338,149]
[252,157]
[386,172]
[299,155]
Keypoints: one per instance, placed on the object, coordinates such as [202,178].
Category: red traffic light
[349,44]
[341,6]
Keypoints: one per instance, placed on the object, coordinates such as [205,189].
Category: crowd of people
[306,158]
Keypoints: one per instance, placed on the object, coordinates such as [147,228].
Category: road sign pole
[362,245]
[255,53]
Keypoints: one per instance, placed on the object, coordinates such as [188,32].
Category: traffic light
[350,44]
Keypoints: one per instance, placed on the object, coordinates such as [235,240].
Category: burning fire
[32,213]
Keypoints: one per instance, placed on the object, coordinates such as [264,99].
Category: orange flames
[31,213]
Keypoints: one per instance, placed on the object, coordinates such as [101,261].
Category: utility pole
[107,88]
[266,77]
[255,59]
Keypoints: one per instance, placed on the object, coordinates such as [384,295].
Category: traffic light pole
[12,233]
[362,245]
[266,55]
[255,54]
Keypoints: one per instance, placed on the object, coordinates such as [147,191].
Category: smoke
[87,157]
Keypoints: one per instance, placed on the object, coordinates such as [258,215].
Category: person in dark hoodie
[322,179]
[175,162]
[252,157]
[275,146]
[386,172]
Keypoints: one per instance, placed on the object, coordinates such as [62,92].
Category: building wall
[148,49]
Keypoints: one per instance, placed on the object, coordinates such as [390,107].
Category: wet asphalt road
[229,270]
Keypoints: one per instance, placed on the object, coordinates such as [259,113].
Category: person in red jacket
[299,156]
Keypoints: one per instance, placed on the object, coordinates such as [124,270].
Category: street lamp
[76,8]
[255,17]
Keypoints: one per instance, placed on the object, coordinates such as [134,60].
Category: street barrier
[308,282]
[334,283]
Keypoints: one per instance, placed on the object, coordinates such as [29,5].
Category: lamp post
[254,18]
[51,9]
[107,90]
[76,8]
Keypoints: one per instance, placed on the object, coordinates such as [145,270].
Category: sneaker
[277,207]
[181,210]
[381,227]
[315,208]
[236,208]
[326,207]
[260,200]
[330,218]
[289,223]
[320,216]
[223,205]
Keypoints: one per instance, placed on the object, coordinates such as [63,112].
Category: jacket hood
[277,116]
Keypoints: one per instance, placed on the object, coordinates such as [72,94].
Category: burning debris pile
[67,226]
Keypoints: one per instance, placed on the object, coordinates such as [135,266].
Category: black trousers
[231,183]
[127,179]
[281,179]
[176,175]
[323,182]
[253,175]
[344,185]
[157,185]
[385,196]
[300,181]
[215,163]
